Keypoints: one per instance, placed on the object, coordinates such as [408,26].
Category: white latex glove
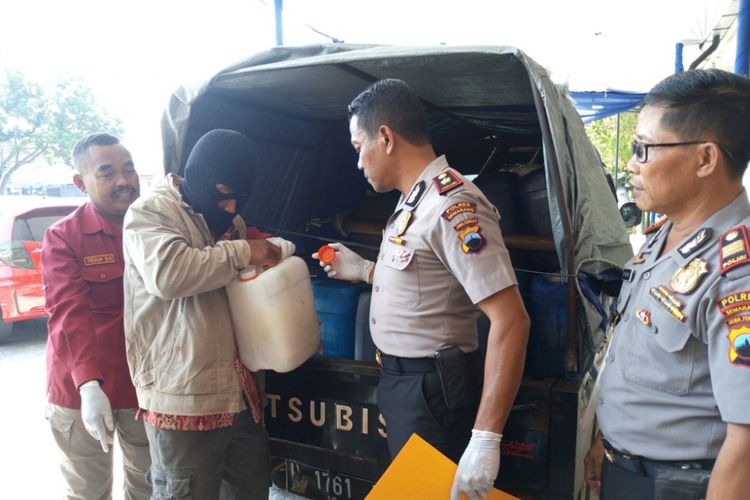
[287,247]
[478,466]
[347,265]
[97,413]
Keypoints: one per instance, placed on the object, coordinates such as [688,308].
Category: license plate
[334,485]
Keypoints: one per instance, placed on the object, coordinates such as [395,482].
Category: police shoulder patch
[735,303]
[739,345]
[447,180]
[471,238]
[458,208]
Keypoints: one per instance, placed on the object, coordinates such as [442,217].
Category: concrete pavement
[28,460]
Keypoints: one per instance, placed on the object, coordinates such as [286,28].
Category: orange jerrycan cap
[326,254]
[249,273]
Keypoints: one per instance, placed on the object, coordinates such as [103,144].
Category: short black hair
[708,104]
[393,103]
[96,139]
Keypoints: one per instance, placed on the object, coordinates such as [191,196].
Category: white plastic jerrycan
[274,316]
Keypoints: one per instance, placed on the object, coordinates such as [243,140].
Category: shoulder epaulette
[734,249]
[656,225]
[446,180]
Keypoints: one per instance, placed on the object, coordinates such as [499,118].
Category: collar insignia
[656,225]
[696,241]
[415,194]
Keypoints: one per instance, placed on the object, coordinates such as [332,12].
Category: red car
[22,225]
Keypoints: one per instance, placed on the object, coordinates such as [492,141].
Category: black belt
[647,467]
[405,365]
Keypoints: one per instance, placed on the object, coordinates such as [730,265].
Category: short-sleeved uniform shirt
[82,268]
[441,254]
[678,368]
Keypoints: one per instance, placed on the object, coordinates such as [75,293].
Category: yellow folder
[420,472]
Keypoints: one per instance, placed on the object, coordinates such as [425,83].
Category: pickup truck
[497,116]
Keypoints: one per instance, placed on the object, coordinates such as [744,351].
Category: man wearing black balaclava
[183,243]
[219,158]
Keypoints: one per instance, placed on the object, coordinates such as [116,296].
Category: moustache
[129,190]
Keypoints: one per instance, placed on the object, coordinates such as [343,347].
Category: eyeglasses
[640,149]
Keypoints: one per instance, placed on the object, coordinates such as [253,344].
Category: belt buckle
[378,359]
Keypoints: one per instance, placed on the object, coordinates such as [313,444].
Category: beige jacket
[178,330]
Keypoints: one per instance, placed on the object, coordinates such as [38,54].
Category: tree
[35,123]
[603,135]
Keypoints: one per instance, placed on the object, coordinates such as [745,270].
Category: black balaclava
[219,157]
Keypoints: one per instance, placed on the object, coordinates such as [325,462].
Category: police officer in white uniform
[675,391]
[442,255]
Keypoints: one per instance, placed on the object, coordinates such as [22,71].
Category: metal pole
[678,67]
[278,5]
[617,150]
[742,59]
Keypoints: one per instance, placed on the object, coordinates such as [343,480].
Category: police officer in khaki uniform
[675,391]
[442,255]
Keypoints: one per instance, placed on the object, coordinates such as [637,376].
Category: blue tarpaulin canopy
[597,105]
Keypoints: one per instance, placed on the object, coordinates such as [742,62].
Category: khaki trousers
[87,469]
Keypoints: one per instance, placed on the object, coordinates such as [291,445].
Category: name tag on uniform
[97,260]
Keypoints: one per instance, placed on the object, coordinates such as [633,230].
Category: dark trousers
[413,402]
[636,478]
[619,484]
[228,463]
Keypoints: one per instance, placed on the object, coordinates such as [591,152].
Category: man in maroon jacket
[89,388]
